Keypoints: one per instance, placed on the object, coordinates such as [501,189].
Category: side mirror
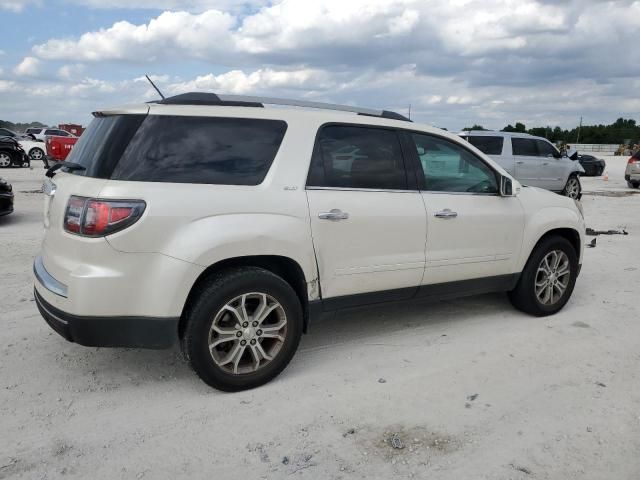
[574,155]
[506,187]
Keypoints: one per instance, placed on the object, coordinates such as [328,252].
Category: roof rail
[203,98]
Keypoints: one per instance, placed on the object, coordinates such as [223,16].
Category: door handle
[446,213]
[333,214]
[519,162]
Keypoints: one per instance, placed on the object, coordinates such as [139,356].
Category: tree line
[619,132]
[20,127]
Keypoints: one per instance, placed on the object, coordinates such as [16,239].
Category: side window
[524,146]
[214,150]
[545,149]
[50,132]
[358,157]
[448,167]
[486,144]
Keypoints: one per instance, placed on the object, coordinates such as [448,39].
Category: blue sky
[490,62]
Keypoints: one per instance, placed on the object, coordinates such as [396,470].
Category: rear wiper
[71,166]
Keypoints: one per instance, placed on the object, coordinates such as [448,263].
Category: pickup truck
[58,147]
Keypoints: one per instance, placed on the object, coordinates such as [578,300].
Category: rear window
[486,144]
[178,149]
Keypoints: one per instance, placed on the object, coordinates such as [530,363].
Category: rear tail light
[92,217]
[633,160]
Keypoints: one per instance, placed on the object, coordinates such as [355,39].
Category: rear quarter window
[178,149]
[486,144]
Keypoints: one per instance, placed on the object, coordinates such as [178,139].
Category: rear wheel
[633,184]
[5,159]
[242,328]
[573,189]
[548,278]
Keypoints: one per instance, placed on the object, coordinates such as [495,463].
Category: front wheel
[548,278]
[573,189]
[242,329]
[5,160]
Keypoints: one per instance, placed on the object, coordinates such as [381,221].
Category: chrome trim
[52,315]
[333,214]
[440,192]
[446,213]
[46,280]
[349,189]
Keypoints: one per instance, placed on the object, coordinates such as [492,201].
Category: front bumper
[101,331]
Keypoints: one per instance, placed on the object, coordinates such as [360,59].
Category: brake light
[633,160]
[92,217]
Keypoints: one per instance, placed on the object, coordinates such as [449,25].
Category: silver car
[534,161]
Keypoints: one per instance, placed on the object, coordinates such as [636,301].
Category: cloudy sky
[456,62]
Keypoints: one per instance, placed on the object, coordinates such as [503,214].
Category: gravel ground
[451,390]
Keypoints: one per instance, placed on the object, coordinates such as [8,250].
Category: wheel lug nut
[259,332]
[238,334]
[253,342]
[243,342]
[245,324]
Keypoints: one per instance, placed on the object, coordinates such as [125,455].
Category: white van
[534,161]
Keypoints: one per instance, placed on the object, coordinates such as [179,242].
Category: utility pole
[579,128]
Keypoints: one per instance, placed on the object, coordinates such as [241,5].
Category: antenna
[154,86]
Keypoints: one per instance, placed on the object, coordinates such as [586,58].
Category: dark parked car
[12,154]
[593,166]
[6,197]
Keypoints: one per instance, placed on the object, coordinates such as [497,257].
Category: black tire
[11,159]
[36,153]
[633,184]
[524,297]
[209,299]
[567,190]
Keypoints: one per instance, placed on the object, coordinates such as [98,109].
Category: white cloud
[17,5]
[29,67]
[67,72]
[457,63]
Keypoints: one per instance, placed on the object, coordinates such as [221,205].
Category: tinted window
[101,145]
[448,167]
[524,146]
[6,133]
[358,157]
[545,149]
[488,145]
[230,151]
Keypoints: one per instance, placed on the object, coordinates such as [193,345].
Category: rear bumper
[632,177]
[135,332]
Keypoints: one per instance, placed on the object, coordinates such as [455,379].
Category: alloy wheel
[247,333]
[572,190]
[36,154]
[5,160]
[552,277]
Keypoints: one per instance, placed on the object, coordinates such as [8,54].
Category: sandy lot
[472,389]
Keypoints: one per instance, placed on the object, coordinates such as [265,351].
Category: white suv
[534,161]
[229,227]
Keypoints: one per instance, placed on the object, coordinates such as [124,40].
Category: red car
[59,147]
